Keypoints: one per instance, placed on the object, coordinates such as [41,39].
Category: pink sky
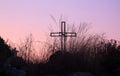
[18,18]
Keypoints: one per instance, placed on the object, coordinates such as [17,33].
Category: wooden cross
[63,34]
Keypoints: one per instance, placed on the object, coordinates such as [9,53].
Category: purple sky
[19,18]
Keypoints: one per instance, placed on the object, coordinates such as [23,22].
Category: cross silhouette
[63,34]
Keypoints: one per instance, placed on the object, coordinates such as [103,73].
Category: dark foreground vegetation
[92,54]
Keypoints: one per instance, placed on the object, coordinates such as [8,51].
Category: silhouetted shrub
[5,50]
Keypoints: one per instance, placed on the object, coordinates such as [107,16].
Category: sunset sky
[18,18]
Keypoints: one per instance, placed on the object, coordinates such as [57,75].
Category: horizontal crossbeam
[55,34]
[61,34]
[70,34]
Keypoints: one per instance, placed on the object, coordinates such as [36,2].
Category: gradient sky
[19,18]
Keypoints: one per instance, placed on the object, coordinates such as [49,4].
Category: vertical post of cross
[63,36]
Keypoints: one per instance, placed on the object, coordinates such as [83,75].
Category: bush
[5,50]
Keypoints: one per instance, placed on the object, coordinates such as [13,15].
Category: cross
[63,34]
